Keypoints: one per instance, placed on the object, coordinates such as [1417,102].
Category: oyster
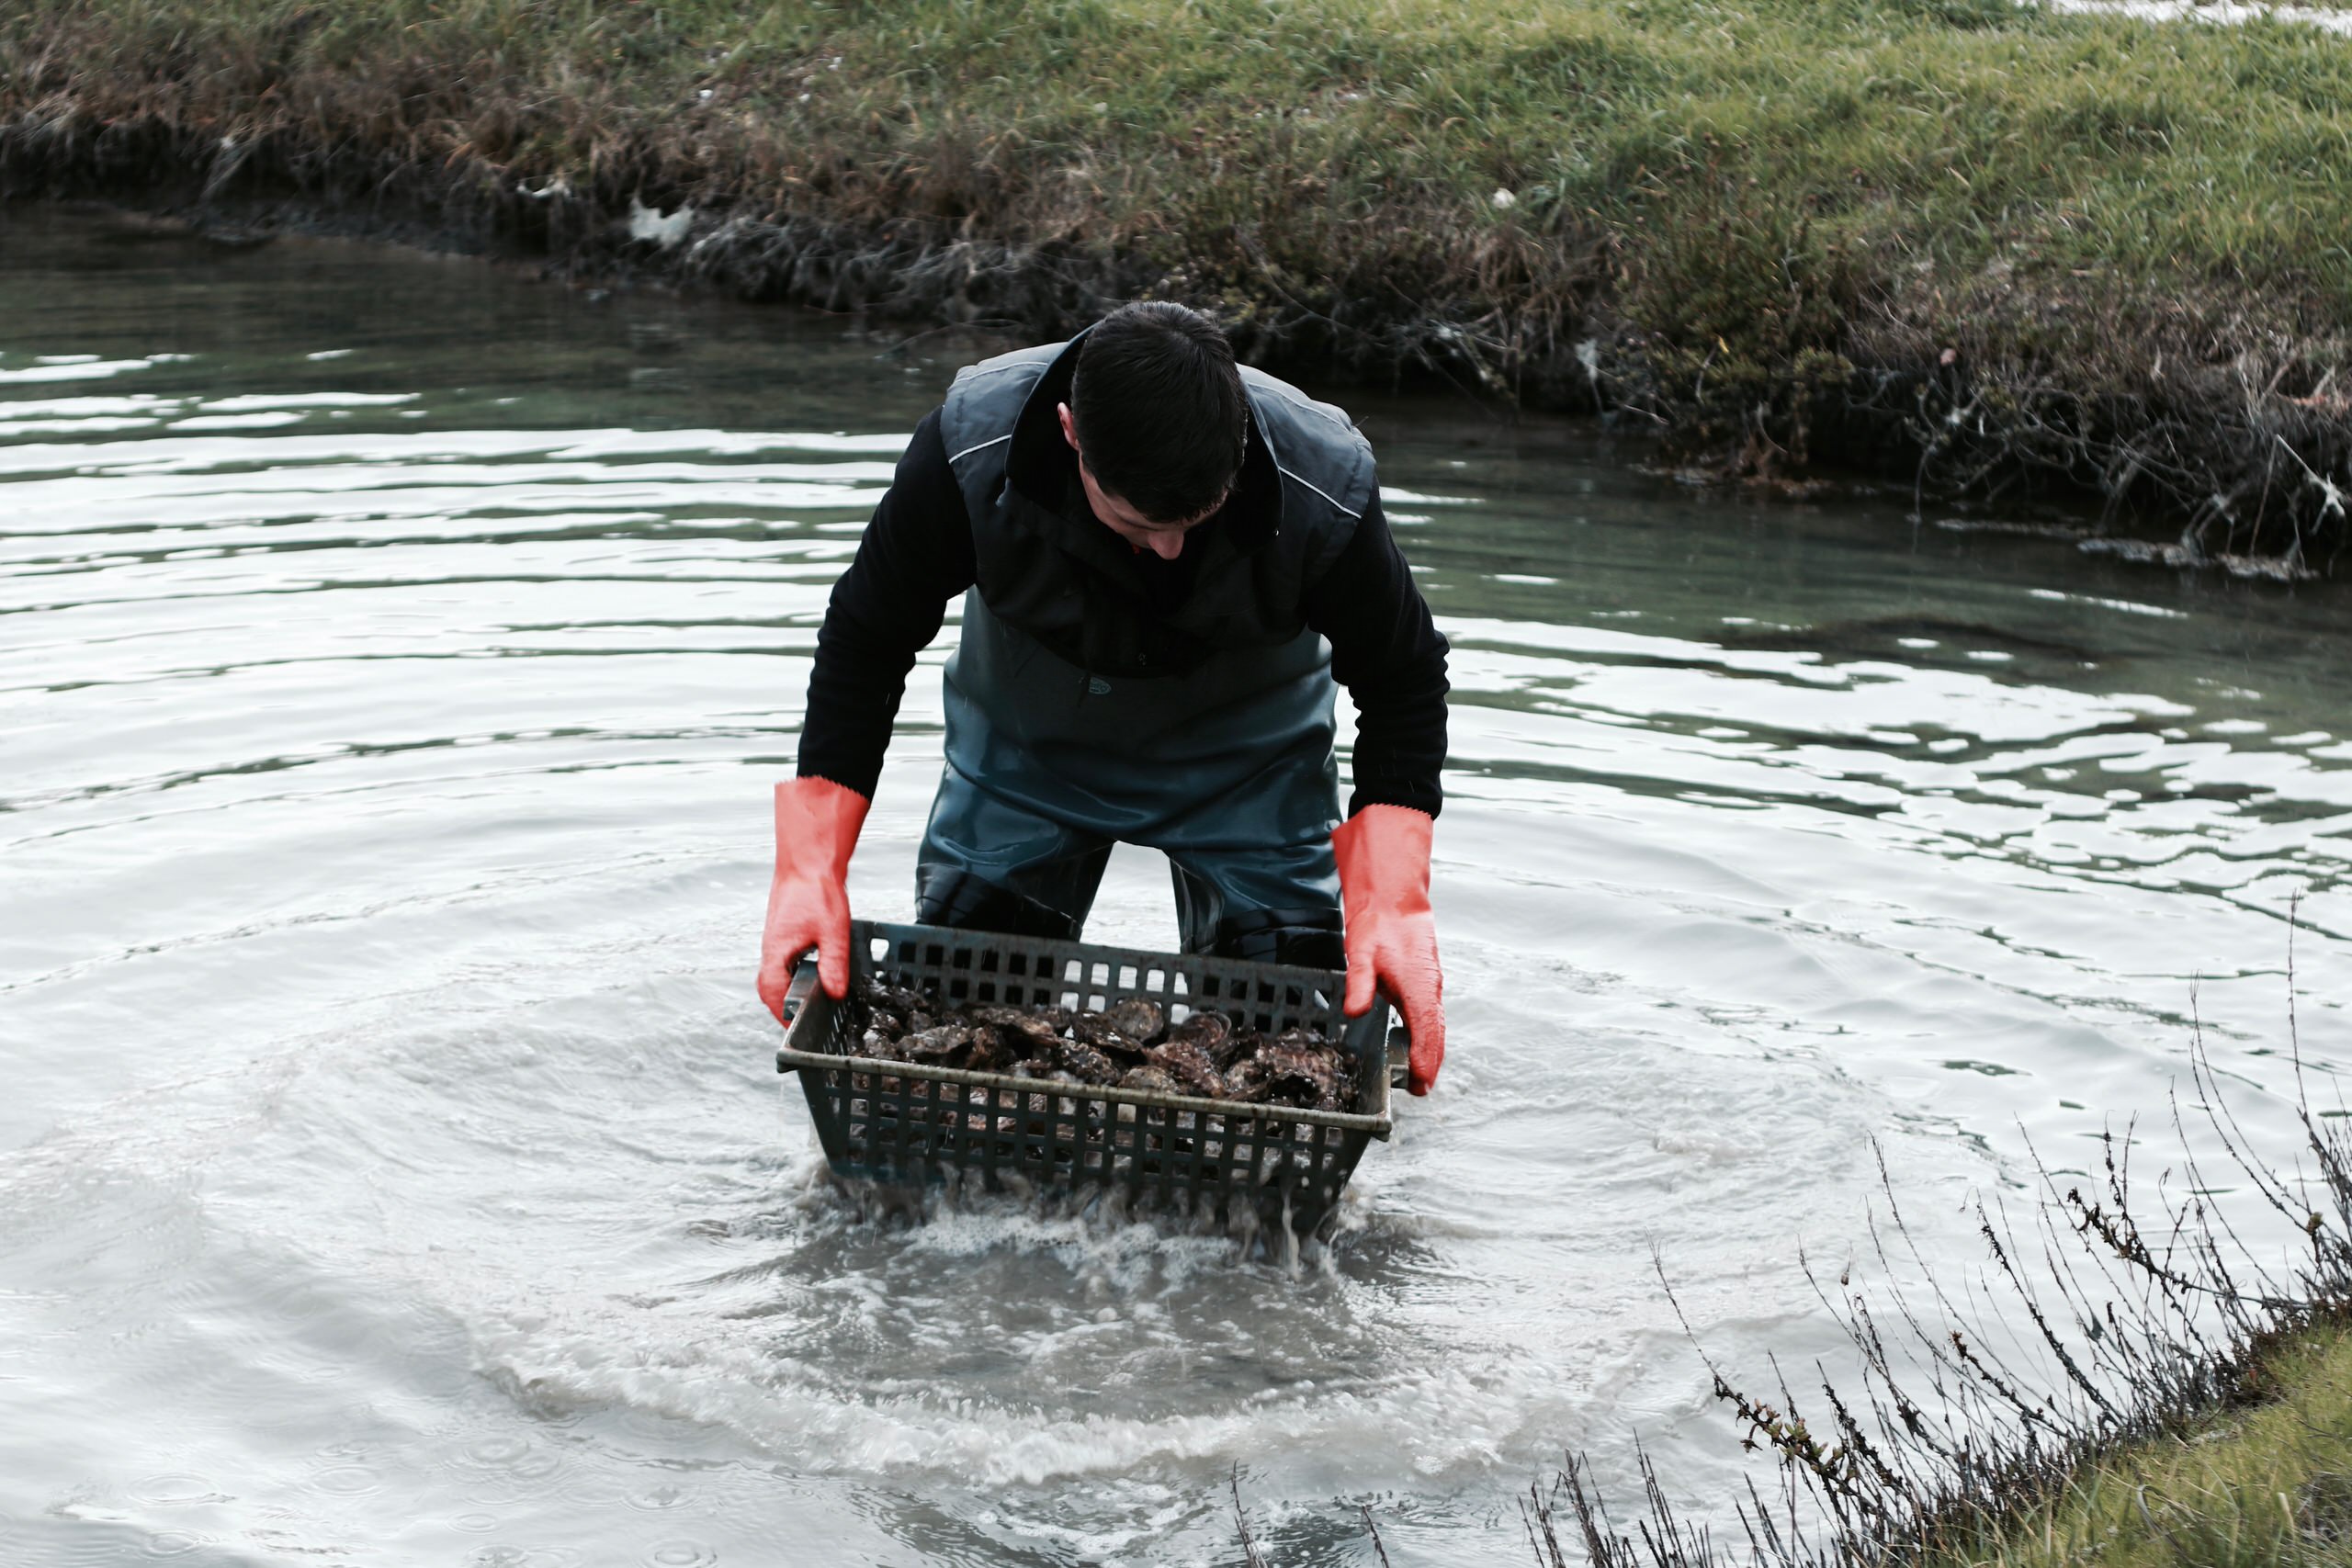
[1097,1030]
[1191,1068]
[991,1049]
[1248,1082]
[1212,1032]
[1304,1069]
[1240,1046]
[937,1044]
[882,995]
[1150,1077]
[1039,1034]
[1085,1062]
[1211,1054]
[1138,1019]
[1019,1027]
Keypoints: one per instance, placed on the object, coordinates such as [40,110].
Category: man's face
[1165,540]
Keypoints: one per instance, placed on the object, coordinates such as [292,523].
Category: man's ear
[1070,425]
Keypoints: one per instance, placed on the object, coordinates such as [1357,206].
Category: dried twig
[1249,1553]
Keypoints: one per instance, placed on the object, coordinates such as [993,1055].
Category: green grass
[1952,131]
[2268,1486]
[1736,196]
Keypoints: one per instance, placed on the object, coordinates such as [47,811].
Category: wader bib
[1080,715]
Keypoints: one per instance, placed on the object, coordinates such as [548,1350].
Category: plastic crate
[903,1123]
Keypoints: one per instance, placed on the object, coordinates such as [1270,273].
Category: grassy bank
[2264,1485]
[2006,250]
[2261,1479]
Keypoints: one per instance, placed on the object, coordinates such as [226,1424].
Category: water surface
[395,655]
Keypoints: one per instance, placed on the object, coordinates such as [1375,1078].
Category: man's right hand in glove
[1383,858]
[817,823]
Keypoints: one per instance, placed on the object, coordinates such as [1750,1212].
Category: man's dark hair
[1159,410]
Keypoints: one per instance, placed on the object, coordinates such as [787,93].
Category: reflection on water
[394,655]
[2226,13]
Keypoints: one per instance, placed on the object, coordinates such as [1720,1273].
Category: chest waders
[1080,715]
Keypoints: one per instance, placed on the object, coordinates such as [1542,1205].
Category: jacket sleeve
[1390,656]
[916,554]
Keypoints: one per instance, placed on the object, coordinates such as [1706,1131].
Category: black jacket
[918,552]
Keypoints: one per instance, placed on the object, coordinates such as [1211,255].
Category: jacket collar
[1041,466]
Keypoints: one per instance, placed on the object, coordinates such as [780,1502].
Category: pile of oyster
[1127,1045]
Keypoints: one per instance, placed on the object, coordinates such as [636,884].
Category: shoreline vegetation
[1992,252]
[2134,1381]
[2265,1480]
[2260,1479]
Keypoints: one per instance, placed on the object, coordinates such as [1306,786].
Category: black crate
[906,1123]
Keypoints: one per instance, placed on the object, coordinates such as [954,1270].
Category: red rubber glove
[817,823]
[1384,855]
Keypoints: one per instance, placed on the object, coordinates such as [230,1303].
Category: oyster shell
[1302,1069]
[1085,1062]
[1138,1019]
[991,1049]
[1039,1034]
[937,1044]
[1095,1029]
[1240,1046]
[1248,1082]
[899,999]
[1148,1077]
[1212,1032]
[1191,1068]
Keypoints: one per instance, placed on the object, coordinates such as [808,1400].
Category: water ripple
[392,681]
